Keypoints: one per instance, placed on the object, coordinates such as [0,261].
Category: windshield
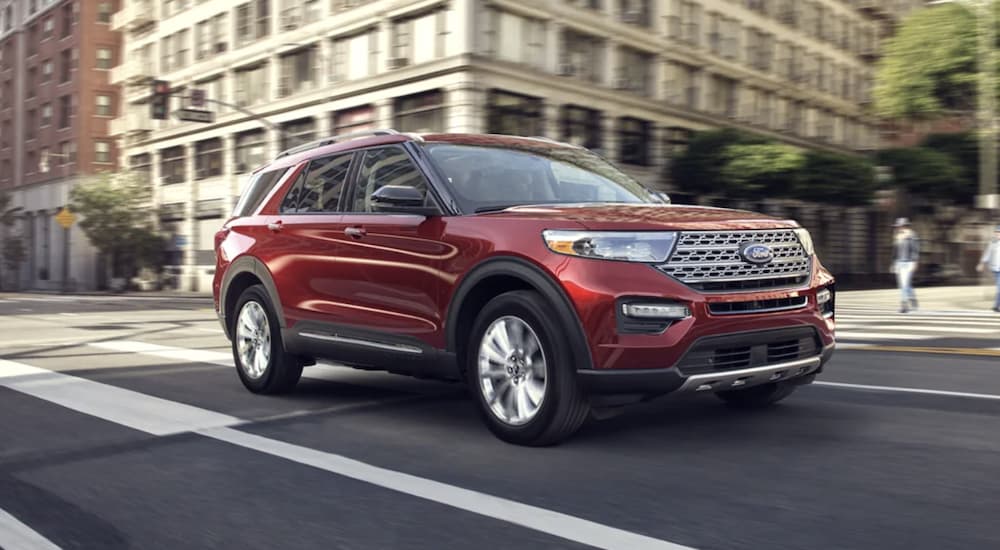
[490,178]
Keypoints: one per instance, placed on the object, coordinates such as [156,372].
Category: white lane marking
[918,319]
[919,328]
[842,335]
[224,359]
[540,519]
[128,408]
[161,417]
[955,314]
[15,535]
[897,389]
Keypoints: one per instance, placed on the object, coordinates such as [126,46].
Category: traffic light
[160,105]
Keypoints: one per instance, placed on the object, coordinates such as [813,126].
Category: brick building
[57,103]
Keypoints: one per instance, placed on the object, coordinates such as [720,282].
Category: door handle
[275,226]
[355,232]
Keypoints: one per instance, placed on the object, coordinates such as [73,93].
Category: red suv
[549,281]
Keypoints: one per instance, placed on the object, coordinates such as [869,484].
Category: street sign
[65,218]
[195,115]
[197,97]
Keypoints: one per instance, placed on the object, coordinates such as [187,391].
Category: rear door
[302,253]
[396,260]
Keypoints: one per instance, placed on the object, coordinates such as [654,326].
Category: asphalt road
[124,426]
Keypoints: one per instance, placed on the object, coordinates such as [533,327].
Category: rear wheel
[261,361]
[757,397]
[520,371]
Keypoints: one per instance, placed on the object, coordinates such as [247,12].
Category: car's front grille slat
[758,306]
[738,351]
[704,259]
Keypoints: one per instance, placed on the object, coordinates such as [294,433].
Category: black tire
[564,407]
[757,397]
[283,370]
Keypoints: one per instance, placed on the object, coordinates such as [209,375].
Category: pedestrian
[906,252]
[991,261]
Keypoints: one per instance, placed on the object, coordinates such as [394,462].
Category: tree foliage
[13,252]
[116,218]
[737,165]
[929,65]
[766,169]
[928,175]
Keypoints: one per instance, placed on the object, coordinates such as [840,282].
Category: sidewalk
[979,298]
[139,295]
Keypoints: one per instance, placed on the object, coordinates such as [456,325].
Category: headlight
[806,239]
[629,246]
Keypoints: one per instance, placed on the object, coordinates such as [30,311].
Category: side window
[257,188]
[386,166]
[318,188]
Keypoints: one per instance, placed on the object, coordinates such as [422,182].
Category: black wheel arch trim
[540,281]
[255,267]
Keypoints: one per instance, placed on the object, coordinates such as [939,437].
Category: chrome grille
[710,260]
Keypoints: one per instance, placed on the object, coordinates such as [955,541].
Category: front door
[396,260]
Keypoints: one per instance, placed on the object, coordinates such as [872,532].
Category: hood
[647,217]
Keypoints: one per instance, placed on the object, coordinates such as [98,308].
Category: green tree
[929,65]
[761,170]
[12,253]
[699,170]
[836,178]
[963,148]
[929,177]
[116,218]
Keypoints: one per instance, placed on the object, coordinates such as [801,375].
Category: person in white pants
[991,261]
[906,252]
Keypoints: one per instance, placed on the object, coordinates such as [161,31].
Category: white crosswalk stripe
[861,324]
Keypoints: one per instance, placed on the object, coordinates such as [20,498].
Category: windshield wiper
[495,208]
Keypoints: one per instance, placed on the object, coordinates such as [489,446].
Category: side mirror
[401,199]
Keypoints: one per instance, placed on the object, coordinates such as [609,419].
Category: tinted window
[318,189]
[485,177]
[388,166]
[259,186]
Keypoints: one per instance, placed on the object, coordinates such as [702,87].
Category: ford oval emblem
[756,253]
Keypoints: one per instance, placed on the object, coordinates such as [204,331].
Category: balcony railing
[135,14]
[132,72]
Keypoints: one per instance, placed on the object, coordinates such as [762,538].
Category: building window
[354,120]
[297,132]
[32,164]
[141,163]
[582,56]
[166,53]
[48,28]
[251,85]
[253,21]
[67,152]
[102,152]
[183,47]
[67,19]
[32,40]
[581,126]
[208,158]
[65,110]
[355,57]
[635,71]
[46,115]
[251,150]
[32,83]
[722,96]
[30,124]
[298,72]
[635,12]
[514,38]
[420,112]
[65,66]
[104,12]
[104,59]
[635,135]
[104,105]
[172,165]
[513,114]
[47,70]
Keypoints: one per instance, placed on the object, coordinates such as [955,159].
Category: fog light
[656,311]
[823,296]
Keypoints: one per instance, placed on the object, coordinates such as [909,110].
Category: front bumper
[651,382]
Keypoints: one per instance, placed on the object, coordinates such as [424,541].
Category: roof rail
[335,139]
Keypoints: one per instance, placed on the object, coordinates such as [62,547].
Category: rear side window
[388,166]
[259,186]
[318,189]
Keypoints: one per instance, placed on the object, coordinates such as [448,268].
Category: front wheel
[757,397]
[261,360]
[520,371]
